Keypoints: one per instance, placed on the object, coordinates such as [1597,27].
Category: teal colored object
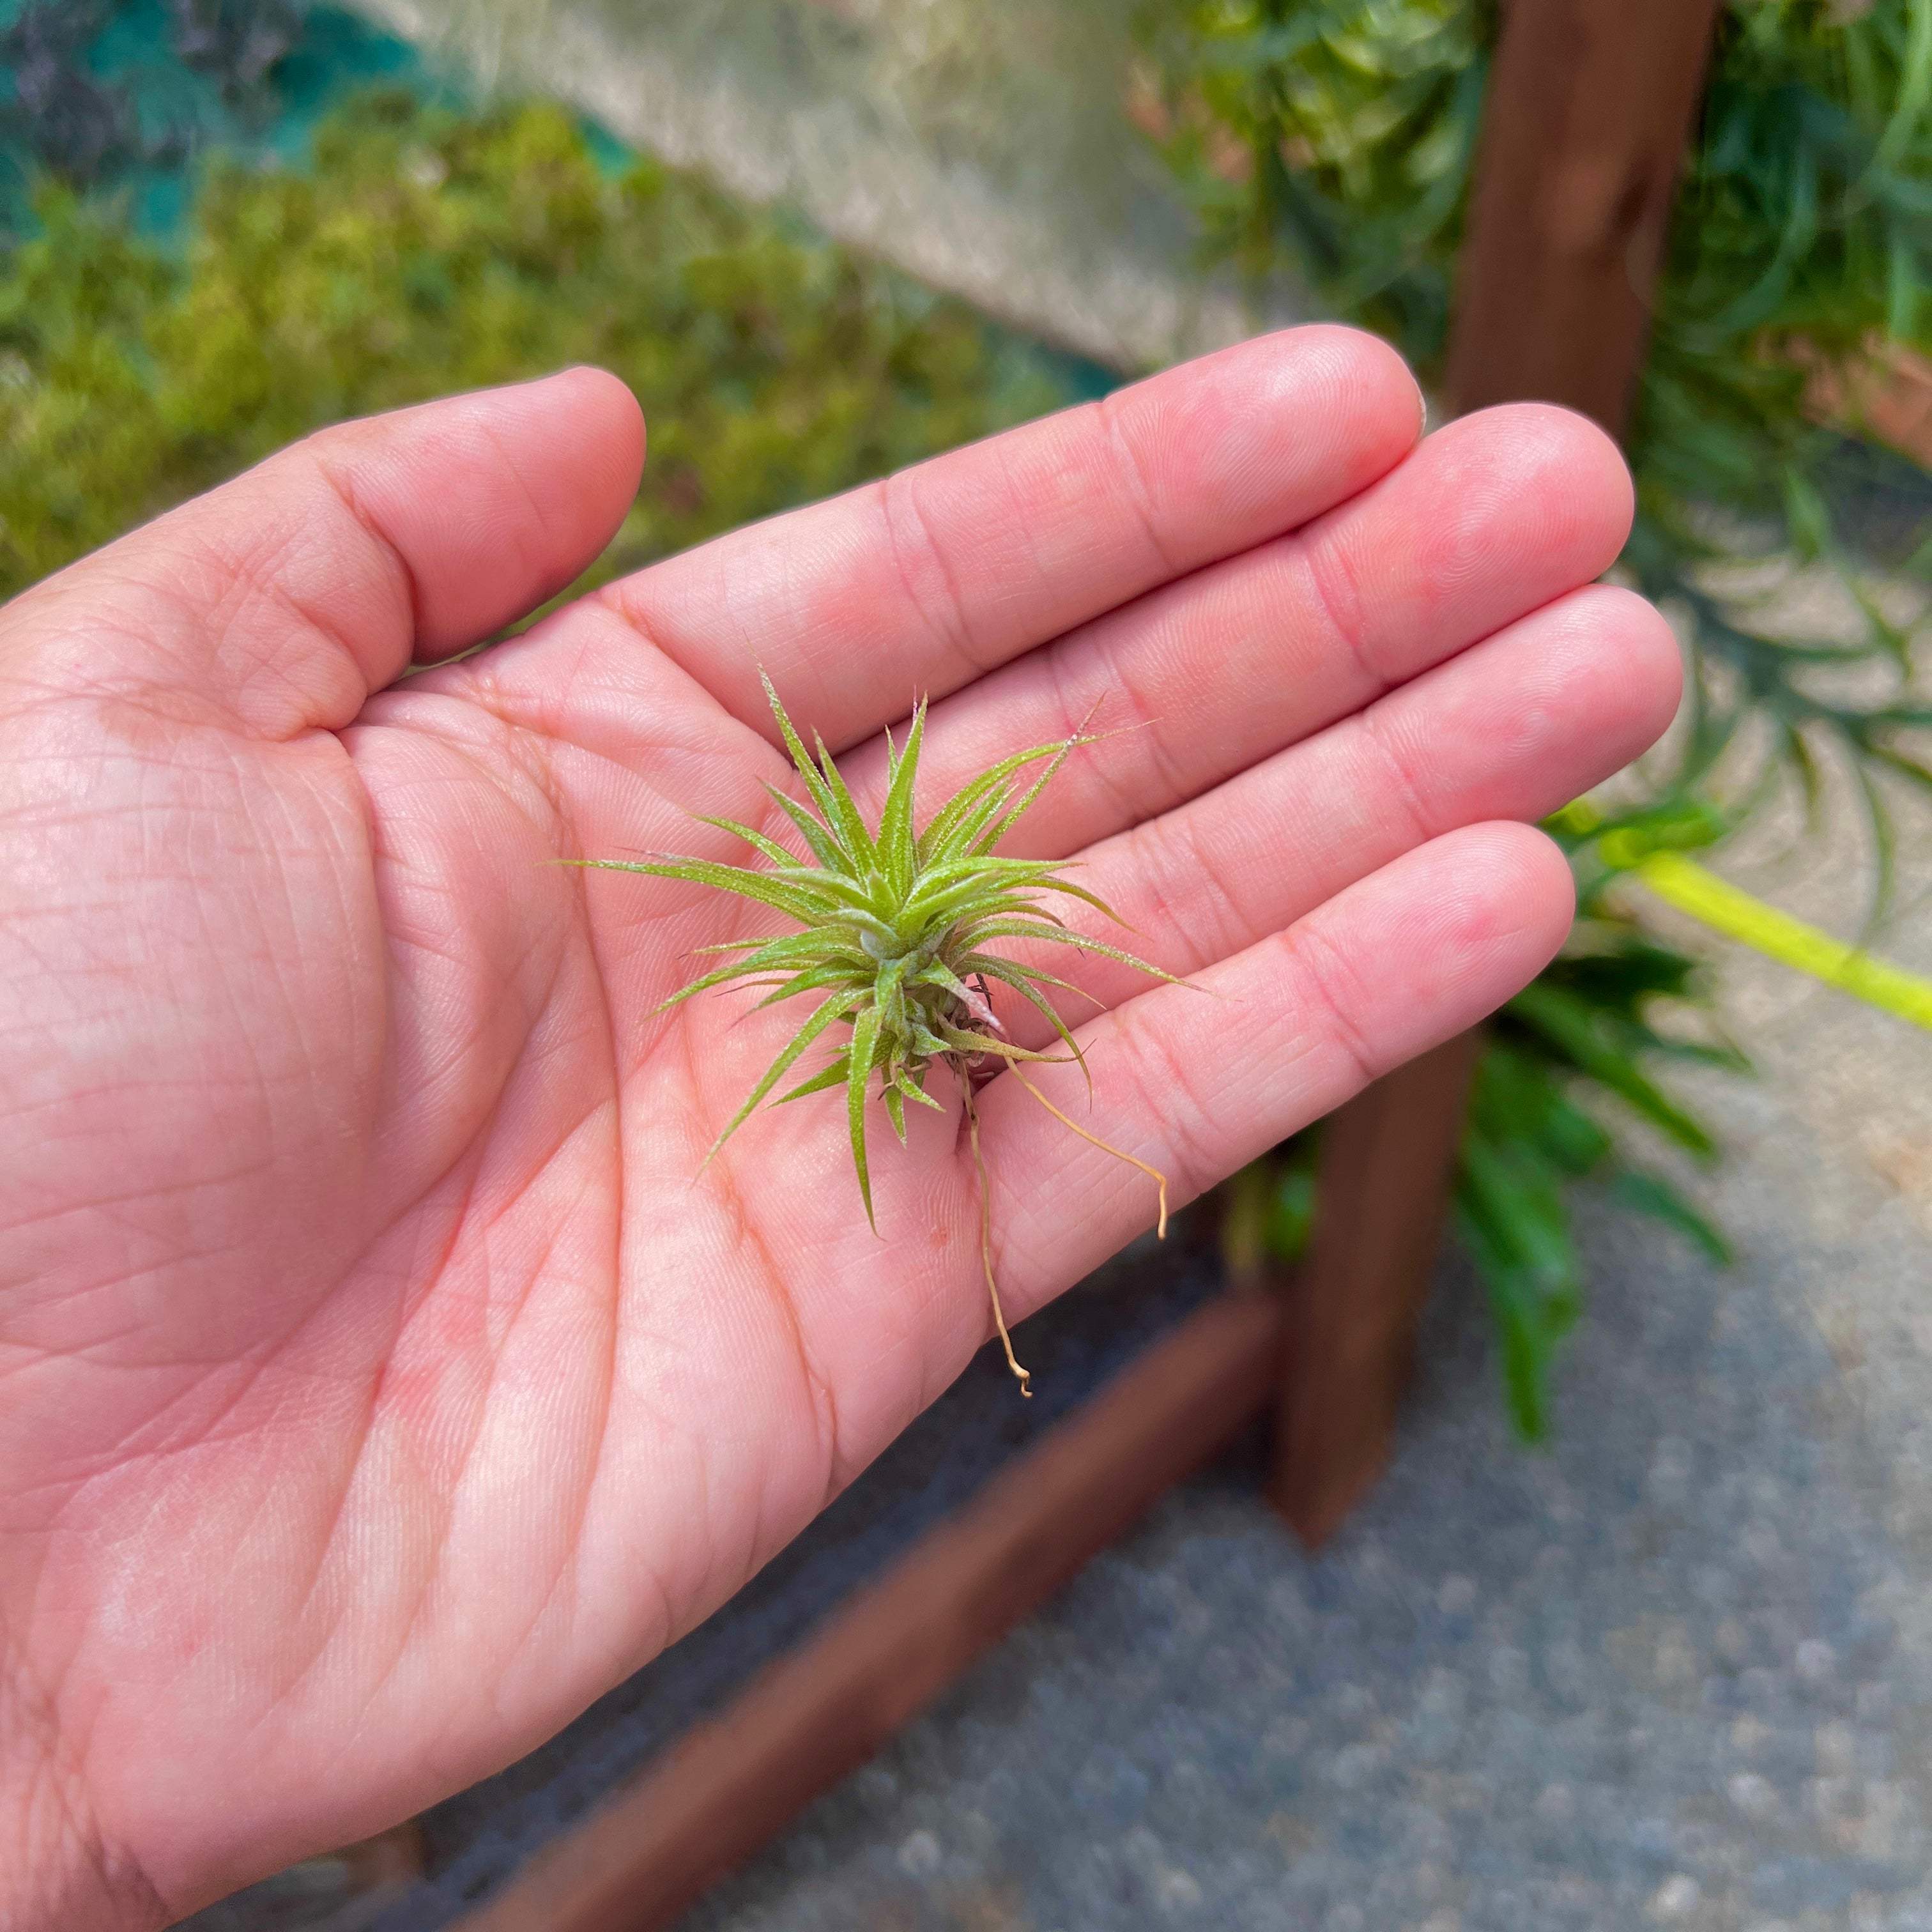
[178,112]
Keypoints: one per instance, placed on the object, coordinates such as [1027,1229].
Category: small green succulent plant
[894,926]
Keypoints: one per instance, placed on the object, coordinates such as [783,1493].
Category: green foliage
[1267,1209]
[1332,136]
[427,251]
[893,928]
[61,112]
[1333,139]
[1802,240]
[1589,1025]
[1586,1022]
[894,925]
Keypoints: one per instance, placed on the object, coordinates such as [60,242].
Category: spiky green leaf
[893,926]
[858,1077]
[897,852]
[819,1020]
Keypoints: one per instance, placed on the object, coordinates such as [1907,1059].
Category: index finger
[923,581]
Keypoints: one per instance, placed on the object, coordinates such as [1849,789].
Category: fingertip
[1645,661]
[1439,939]
[1479,913]
[1574,692]
[576,438]
[1562,467]
[613,417]
[1523,891]
[1553,885]
[1378,369]
[1259,438]
[496,498]
[1369,387]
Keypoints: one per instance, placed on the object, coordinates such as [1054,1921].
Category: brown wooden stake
[1349,1345]
[1589,116]
[730,1784]
[1584,134]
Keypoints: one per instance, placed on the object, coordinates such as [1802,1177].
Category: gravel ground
[1659,1669]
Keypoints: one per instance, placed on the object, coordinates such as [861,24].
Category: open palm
[380,1379]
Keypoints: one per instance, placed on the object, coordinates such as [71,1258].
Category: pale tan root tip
[1023,1376]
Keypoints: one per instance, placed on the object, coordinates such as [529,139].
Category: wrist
[58,1873]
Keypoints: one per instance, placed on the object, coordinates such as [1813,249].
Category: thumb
[284,598]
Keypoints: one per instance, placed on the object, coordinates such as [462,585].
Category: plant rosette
[894,927]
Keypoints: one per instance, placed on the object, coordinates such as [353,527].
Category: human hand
[380,1379]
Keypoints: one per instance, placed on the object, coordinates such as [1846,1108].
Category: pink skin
[377,1384]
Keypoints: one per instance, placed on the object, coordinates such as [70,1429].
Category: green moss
[426,251]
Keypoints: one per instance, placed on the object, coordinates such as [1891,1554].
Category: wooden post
[1348,1343]
[730,1784]
[1589,112]
[1590,109]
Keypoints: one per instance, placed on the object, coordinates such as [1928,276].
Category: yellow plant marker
[1711,901]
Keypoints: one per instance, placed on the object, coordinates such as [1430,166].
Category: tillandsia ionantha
[894,928]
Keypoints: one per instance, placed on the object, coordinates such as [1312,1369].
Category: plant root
[1024,1376]
[1106,1146]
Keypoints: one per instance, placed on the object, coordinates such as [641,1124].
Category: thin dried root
[1024,1376]
[1106,1146]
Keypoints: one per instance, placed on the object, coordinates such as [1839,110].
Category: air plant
[894,929]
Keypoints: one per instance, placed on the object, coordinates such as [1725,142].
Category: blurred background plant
[427,250]
[1782,416]
[72,117]
[240,42]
